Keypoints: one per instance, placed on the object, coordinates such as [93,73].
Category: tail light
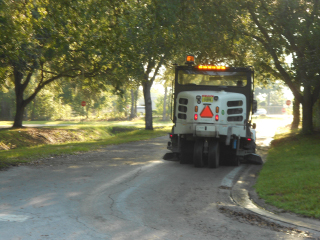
[196,117]
[217,117]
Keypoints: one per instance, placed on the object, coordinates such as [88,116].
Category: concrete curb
[240,195]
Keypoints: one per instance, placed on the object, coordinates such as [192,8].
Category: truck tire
[186,155]
[198,154]
[213,154]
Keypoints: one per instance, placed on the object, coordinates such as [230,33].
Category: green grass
[81,138]
[290,179]
[136,123]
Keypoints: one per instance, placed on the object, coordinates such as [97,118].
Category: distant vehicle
[261,112]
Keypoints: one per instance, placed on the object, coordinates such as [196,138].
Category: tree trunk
[148,104]
[296,114]
[307,124]
[19,115]
[87,111]
[136,93]
[146,85]
[164,113]
[132,112]
[20,104]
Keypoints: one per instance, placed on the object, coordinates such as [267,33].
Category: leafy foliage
[124,44]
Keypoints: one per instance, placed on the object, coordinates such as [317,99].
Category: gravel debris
[254,219]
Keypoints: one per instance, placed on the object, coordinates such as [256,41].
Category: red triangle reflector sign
[206,112]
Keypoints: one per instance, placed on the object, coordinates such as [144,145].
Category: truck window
[212,78]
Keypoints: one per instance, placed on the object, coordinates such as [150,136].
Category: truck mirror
[254,106]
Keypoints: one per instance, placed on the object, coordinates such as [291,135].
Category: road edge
[244,195]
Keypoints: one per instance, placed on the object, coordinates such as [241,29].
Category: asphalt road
[125,192]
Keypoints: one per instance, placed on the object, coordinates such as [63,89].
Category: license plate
[207,98]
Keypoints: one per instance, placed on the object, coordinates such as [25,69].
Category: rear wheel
[186,155]
[213,154]
[198,154]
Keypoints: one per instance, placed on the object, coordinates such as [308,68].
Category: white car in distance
[261,112]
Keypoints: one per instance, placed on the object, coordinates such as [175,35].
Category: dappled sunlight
[75,167]
[73,194]
[42,201]
[130,162]
[158,144]
[6,217]
[6,123]
[118,150]
[59,170]
[155,161]
[268,127]
[144,163]
[136,163]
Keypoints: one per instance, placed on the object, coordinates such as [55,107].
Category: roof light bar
[211,67]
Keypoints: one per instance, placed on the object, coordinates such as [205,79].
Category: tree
[149,29]
[285,28]
[158,32]
[51,40]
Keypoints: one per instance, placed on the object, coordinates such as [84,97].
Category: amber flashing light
[190,58]
[211,67]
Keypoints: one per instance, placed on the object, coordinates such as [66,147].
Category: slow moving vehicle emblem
[206,112]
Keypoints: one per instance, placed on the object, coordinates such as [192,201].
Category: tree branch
[267,45]
[157,68]
[26,82]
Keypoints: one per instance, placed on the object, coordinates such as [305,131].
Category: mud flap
[170,157]
[253,159]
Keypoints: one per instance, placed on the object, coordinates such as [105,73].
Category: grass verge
[28,144]
[290,179]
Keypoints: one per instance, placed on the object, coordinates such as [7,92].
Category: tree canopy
[286,28]
[126,42]
[50,40]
